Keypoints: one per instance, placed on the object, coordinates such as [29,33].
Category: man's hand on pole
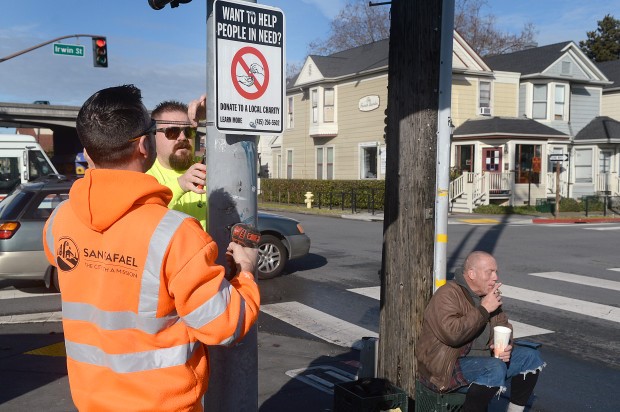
[197,110]
[194,178]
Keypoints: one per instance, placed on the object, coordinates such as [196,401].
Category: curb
[577,220]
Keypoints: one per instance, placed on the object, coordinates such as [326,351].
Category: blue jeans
[490,371]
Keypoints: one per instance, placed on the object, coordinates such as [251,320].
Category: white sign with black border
[558,157]
[249,61]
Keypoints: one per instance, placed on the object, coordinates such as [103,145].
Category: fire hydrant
[309,198]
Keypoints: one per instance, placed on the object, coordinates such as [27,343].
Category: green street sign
[69,49]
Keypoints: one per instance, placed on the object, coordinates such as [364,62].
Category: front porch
[471,190]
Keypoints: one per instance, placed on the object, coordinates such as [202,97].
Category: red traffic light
[100,52]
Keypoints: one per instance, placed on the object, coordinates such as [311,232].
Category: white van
[21,160]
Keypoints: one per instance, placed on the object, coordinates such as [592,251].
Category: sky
[163,52]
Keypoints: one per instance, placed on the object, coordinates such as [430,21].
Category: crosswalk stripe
[32,318]
[603,228]
[521,330]
[317,323]
[559,302]
[581,280]
[26,293]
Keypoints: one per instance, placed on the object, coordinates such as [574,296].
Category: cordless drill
[244,235]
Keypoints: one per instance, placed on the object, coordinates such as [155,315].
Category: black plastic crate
[428,401]
[368,395]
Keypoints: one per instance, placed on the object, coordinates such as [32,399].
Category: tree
[358,24]
[603,44]
[481,32]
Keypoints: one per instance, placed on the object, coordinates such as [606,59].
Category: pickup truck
[22,160]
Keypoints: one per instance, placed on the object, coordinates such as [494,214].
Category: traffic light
[100,52]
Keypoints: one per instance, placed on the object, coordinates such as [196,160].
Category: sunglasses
[149,130]
[173,133]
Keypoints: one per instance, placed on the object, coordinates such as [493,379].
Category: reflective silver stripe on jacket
[211,309]
[49,236]
[149,290]
[239,328]
[116,320]
[131,362]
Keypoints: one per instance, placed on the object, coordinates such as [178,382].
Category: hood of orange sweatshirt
[103,196]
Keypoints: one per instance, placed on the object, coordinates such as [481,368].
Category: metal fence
[364,200]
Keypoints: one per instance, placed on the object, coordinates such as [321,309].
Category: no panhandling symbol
[249,73]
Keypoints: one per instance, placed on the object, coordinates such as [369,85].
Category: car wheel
[272,256]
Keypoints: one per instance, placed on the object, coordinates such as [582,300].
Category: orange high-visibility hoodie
[141,295]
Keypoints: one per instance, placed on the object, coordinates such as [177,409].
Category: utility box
[369,395]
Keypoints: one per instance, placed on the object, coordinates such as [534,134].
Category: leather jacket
[451,321]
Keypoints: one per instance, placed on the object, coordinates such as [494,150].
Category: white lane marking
[317,323]
[558,302]
[614,269]
[603,228]
[581,280]
[521,330]
[32,318]
[26,293]
[371,292]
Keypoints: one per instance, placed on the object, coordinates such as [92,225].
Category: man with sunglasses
[175,166]
[141,293]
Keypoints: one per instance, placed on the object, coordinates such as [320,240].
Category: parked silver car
[23,214]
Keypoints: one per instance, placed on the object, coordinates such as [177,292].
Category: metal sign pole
[231,183]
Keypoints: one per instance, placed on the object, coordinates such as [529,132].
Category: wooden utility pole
[407,265]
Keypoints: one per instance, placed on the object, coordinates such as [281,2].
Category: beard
[181,162]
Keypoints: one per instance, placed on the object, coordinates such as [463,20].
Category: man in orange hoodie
[141,293]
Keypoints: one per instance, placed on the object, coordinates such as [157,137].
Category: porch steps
[461,204]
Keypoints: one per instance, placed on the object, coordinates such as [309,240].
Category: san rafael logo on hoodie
[67,254]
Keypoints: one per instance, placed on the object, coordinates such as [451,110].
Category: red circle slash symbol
[249,73]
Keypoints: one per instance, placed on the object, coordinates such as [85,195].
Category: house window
[583,166]
[485,98]
[539,102]
[290,113]
[325,163]
[560,99]
[527,163]
[604,161]
[465,158]
[319,163]
[289,164]
[279,166]
[328,105]
[566,68]
[368,162]
[315,106]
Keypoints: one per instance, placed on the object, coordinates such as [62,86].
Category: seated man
[455,345]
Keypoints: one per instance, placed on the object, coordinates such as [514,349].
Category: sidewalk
[502,219]
[292,374]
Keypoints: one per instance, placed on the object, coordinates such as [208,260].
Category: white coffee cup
[501,337]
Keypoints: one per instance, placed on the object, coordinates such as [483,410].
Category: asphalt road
[577,321]
[336,288]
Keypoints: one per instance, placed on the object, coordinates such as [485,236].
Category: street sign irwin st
[69,49]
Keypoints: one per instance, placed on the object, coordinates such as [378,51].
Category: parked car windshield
[12,205]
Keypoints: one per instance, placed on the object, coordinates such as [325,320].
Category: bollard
[309,196]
